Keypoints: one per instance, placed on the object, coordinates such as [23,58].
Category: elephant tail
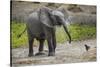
[39,14]
[18,36]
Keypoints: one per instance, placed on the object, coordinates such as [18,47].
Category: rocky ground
[65,53]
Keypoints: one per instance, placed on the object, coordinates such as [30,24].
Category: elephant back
[34,25]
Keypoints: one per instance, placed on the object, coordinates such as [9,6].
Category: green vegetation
[78,32]
[16,29]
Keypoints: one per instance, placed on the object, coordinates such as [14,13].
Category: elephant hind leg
[41,45]
[31,47]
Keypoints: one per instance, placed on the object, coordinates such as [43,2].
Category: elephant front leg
[30,47]
[54,39]
[51,47]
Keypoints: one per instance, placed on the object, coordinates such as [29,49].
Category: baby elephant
[41,25]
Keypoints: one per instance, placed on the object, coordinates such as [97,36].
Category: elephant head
[51,18]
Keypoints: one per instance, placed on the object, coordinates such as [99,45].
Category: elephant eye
[58,18]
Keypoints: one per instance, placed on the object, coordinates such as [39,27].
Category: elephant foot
[39,54]
[30,55]
[51,54]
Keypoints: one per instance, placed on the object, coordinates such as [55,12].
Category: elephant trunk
[66,30]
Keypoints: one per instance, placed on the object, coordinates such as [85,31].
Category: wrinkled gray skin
[41,25]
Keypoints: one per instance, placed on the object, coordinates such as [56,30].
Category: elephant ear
[66,14]
[63,10]
[45,17]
